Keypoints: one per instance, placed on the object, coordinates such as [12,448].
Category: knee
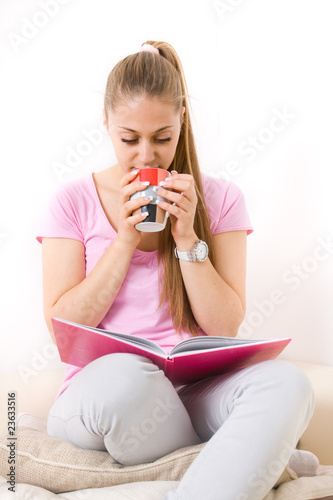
[139,412]
[123,366]
[294,378]
[121,370]
[120,380]
[292,384]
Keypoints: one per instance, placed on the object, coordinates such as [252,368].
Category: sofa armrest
[318,437]
[35,395]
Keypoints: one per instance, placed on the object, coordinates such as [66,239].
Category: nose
[146,153]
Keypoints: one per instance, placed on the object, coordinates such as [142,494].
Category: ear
[182,117]
[105,121]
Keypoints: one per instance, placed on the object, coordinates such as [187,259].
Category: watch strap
[189,255]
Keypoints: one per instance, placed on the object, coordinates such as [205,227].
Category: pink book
[190,360]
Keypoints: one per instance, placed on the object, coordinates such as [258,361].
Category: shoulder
[67,210]
[219,194]
[214,184]
[74,195]
[75,188]
[73,200]
[225,204]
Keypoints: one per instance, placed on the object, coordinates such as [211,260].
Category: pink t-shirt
[75,212]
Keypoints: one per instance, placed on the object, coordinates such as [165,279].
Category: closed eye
[133,141]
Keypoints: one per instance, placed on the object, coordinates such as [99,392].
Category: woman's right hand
[127,232]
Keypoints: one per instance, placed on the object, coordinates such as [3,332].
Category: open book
[190,360]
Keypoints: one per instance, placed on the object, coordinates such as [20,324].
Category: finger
[136,218]
[131,205]
[129,177]
[175,197]
[134,187]
[176,176]
[184,187]
[173,209]
[178,185]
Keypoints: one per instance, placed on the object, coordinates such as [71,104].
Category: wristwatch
[198,253]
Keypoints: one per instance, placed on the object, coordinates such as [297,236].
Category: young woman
[99,270]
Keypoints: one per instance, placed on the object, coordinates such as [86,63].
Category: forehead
[143,109]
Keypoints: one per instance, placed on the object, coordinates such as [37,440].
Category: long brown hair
[148,74]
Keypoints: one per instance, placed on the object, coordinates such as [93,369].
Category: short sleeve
[226,206]
[60,219]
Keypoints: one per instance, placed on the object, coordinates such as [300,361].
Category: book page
[209,342]
[132,339]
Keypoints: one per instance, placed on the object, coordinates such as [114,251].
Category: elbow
[48,314]
[59,309]
[231,327]
[221,328]
[232,322]
[234,327]
[231,330]
[50,329]
[238,320]
[224,324]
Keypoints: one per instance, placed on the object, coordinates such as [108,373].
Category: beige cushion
[60,466]
[147,490]
[301,489]
[305,488]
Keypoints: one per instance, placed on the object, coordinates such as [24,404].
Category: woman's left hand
[183,198]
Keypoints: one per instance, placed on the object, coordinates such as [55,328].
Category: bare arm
[217,296]
[68,293]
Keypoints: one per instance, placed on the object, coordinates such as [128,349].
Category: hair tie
[146,47]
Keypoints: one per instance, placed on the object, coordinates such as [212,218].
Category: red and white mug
[157,217]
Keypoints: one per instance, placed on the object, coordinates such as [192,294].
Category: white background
[246,62]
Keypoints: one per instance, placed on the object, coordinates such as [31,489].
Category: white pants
[252,419]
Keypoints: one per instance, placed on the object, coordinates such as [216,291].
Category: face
[144,133]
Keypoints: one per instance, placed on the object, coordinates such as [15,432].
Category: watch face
[201,251]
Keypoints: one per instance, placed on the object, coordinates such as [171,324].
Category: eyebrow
[159,130]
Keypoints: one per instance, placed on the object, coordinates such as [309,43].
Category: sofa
[48,468]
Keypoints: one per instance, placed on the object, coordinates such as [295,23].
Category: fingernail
[144,214]
[156,189]
[174,172]
[162,183]
[145,183]
[134,172]
[148,198]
